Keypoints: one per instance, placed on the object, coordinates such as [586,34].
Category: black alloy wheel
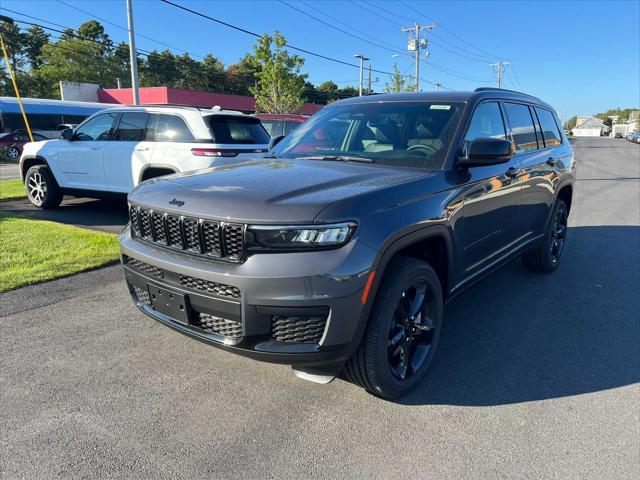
[558,234]
[411,332]
[403,330]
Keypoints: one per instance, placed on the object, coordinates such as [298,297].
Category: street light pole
[133,58]
[362,60]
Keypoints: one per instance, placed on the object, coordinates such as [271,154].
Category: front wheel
[42,190]
[402,333]
[13,153]
[546,257]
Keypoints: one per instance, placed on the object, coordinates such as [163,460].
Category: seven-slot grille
[209,238]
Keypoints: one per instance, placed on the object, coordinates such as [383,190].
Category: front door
[80,160]
[491,223]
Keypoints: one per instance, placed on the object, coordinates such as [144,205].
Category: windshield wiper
[339,158]
[271,156]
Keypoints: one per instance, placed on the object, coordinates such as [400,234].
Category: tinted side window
[486,122]
[97,128]
[169,128]
[131,127]
[237,130]
[550,130]
[521,127]
[268,126]
[290,126]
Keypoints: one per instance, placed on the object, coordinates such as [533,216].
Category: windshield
[409,134]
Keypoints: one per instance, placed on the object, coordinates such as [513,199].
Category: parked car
[280,124]
[116,149]
[65,126]
[13,142]
[339,252]
[618,135]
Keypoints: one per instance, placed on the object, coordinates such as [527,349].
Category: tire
[375,366]
[42,190]
[546,257]
[13,153]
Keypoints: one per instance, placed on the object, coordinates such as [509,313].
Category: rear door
[80,160]
[128,151]
[535,176]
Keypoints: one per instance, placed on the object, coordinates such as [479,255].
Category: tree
[242,75]
[280,83]
[34,39]
[399,83]
[161,68]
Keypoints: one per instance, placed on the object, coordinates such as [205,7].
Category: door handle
[142,149]
[552,161]
[95,148]
[512,172]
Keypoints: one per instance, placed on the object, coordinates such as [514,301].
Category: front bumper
[301,309]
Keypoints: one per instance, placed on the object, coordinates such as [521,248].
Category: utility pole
[369,81]
[132,55]
[437,85]
[417,43]
[499,66]
[362,60]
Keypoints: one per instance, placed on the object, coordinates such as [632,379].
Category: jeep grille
[206,238]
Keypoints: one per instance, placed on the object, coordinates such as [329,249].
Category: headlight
[306,237]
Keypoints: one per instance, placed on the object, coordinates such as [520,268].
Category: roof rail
[496,89]
[167,105]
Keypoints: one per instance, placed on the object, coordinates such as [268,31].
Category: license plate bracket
[173,304]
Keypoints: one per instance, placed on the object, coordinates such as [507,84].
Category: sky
[582,57]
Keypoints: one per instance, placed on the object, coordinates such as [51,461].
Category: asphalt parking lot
[536,376]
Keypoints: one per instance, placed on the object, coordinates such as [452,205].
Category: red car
[280,124]
[12,142]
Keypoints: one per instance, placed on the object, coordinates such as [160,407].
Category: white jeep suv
[114,150]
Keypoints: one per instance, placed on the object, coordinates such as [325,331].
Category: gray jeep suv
[336,252]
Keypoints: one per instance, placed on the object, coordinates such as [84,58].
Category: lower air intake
[298,329]
[217,325]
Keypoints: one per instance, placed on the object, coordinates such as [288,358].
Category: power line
[442,27]
[309,5]
[256,35]
[126,29]
[243,79]
[395,50]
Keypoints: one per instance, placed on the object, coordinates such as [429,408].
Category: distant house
[589,127]
[630,126]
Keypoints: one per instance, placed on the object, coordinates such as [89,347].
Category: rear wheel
[402,333]
[546,257]
[42,190]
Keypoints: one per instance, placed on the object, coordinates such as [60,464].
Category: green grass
[10,189]
[33,251]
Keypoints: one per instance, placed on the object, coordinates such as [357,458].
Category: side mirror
[274,141]
[487,151]
[67,134]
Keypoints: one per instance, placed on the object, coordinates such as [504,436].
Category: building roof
[591,122]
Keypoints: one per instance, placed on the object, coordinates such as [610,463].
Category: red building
[176,96]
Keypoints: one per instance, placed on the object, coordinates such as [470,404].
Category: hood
[280,191]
